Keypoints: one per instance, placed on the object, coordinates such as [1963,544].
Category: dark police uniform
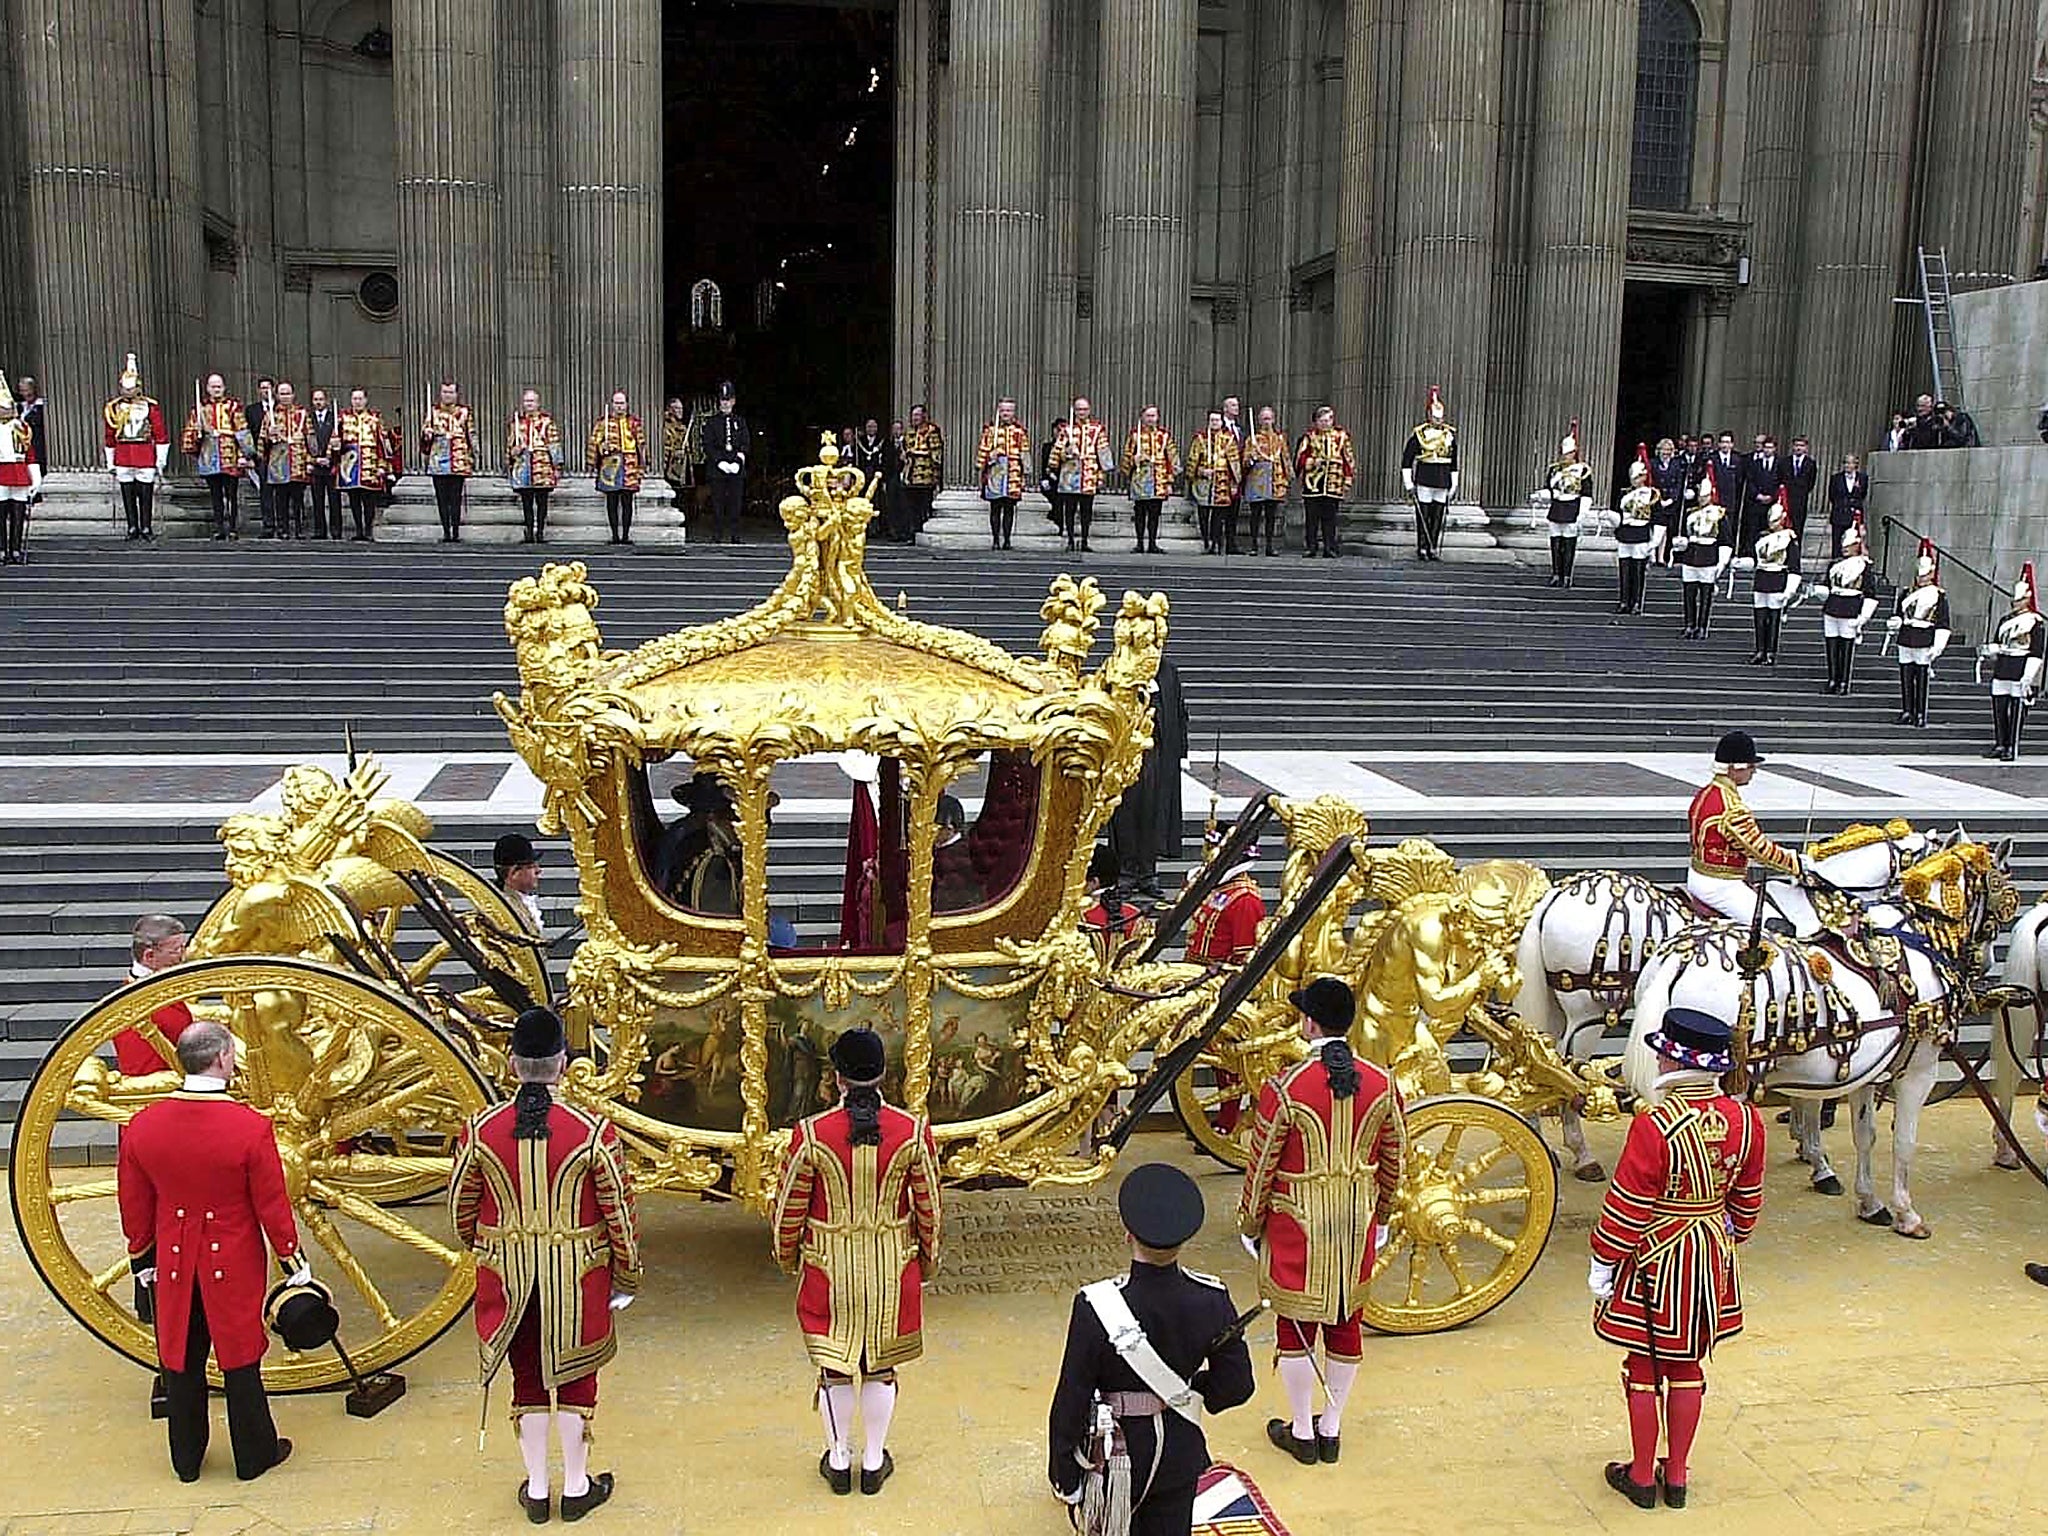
[726,441]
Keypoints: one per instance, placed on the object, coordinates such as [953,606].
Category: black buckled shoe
[1328,1448]
[536,1509]
[2038,1273]
[1674,1493]
[871,1482]
[576,1506]
[838,1479]
[1642,1495]
[1281,1433]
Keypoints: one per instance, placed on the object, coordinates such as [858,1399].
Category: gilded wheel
[347,1072]
[1477,1202]
[1215,1107]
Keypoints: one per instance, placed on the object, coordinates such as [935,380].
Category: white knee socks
[835,1410]
[573,1430]
[1338,1376]
[1298,1376]
[877,1407]
[533,1450]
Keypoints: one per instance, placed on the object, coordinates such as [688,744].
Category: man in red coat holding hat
[1326,1156]
[1687,1191]
[201,1188]
[541,1196]
[857,1220]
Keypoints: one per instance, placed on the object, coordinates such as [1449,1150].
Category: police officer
[1134,1410]
[726,442]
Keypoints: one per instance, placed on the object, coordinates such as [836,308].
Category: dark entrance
[1652,374]
[778,122]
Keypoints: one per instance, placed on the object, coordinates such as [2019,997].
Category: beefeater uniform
[616,457]
[287,444]
[201,1188]
[218,442]
[136,442]
[1002,469]
[448,447]
[1327,467]
[533,464]
[553,1227]
[1215,466]
[924,467]
[1151,463]
[1725,840]
[365,464]
[1268,476]
[1081,460]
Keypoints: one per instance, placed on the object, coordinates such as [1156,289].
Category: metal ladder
[1941,326]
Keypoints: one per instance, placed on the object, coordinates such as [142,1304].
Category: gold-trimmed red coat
[617,453]
[1080,458]
[1226,924]
[1688,1189]
[1150,463]
[551,1220]
[1326,462]
[1011,446]
[365,451]
[924,456]
[1725,836]
[1266,474]
[287,444]
[454,425]
[1322,1170]
[533,452]
[216,436]
[859,1226]
[1215,466]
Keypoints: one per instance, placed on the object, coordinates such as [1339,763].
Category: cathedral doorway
[778,125]
[1651,379]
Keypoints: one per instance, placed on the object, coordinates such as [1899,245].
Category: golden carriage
[372,978]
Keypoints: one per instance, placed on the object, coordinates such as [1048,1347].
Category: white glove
[1251,1245]
[1071,1498]
[2040,1121]
[148,1276]
[731,467]
[1893,622]
[620,1303]
[300,1270]
[1600,1280]
[1379,1237]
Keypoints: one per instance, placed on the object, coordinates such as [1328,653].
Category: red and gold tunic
[365,452]
[216,437]
[1326,463]
[1266,474]
[1725,836]
[1215,466]
[924,454]
[17,454]
[550,1221]
[201,1184]
[288,445]
[1322,1169]
[616,453]
[135,430]
[859,1225]
[1226,926]
[1688,1188]
[1151,461]
[448,440]
[533,452]
[1080,458]
[1002,461]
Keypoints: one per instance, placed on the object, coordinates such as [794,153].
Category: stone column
[445,93]
[1367,183]
[1717,305]
[108,112]
[919,205]
[527,180]
[998,57]
[1585,114]
[1145,104]
[1444,247]
[1854,223]
[1974,172]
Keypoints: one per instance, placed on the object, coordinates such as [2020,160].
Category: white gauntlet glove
[1379,1238]
[298,1271]
[620,1303]
[1600,1280]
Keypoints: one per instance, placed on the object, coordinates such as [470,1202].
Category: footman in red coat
[201,1188]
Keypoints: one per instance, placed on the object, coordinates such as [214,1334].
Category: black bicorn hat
[514,849]
[1736,749]
[302,1316]
[1159,1205]
[859,1056]
[1696,1039]
[537,1035]
[1329,1002]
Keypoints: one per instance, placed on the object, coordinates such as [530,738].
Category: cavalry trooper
[1324,1168]
[1567,491]
[857,1220]
[1666,1287]
[21,479]
[1922,629]
[1774,585]
[1147,1354]
[1429,469]
[136,442]
[1635,523]
[1851,600]
[2016,653]
[1703,552]
[1725,837]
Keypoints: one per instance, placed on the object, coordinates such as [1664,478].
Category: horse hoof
[1917,1229]
[1831,1185]
[2007,1159]
[1589,1173]
[1877,1218]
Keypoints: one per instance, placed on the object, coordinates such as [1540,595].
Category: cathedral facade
[1640,214]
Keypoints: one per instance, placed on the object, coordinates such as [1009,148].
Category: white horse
[1585,943]
[1826,1029]
[2026,968]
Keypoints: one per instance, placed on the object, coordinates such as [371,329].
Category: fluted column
[1367,187]
[1854,224]
[1975,168]
[919,199]
[1585,116]
[526,209]
[110,140]
[609,279]
[1444,231]
[1145,101]
[996,283]
[445,93]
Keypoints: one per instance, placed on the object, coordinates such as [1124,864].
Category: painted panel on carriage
[693,1072]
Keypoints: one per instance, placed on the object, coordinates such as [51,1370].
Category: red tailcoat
[860,1226]
[200,1180]
[137,1056]
[1689,1187]
[1322,1170]
[1725,836]
[551,1221]
[1226,926]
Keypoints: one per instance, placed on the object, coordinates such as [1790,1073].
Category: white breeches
[1564,530]
[1631,551]
[125,473]
[2007,688]
[1733,899]
[1433,493]
[1916,655]
[16,492]
[1770,599]
[1838,629]
[1704,573]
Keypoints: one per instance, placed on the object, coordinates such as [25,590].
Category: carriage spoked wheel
[1477,1202]
[1216,1107]
[344,1070]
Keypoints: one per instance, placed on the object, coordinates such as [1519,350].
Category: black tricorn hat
[859,1056]
[1735,749]
[514,849]
[1159,1205]
[1329,1002]
[537,1035]
[302,1316]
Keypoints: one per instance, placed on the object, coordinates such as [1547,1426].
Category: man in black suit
[326,488]
[1760,486]
[1729,470]
[1848,494]
[1802,478]
[31,402]
[1924,430]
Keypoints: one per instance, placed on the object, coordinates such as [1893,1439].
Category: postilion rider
[1726,840]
